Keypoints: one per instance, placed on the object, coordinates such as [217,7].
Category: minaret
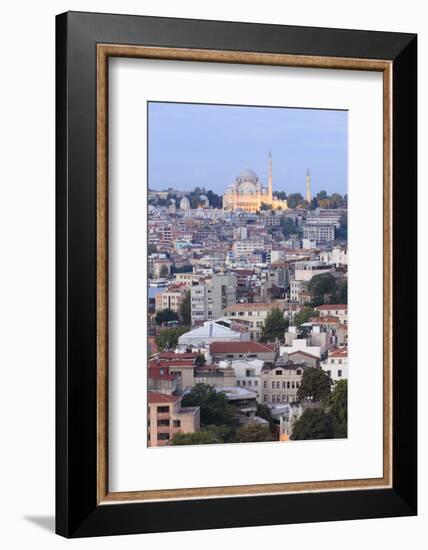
[270,193]
[308,186]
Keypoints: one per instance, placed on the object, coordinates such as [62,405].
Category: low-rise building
[245,401]
[166,417]
[232,351]
[254,315]
[280,381]
[210,332]
[247,375]
[336,364]
[334,310]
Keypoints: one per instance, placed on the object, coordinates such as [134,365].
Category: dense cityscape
[247,314]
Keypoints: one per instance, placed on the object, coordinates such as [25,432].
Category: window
[256,383]
[284,398]
[329,373]
[288,385]
[339,373]
[265,384]
[293,385]
[176,423]
[277,385]
[238,382]
[163,410]
[229,355]
[283,385]
[273,398]
[340,361]
[298,371]
[163,437]
[273,385]
[278,372]
[297,384]
[243,382]
[249,383]
[163,422]
[265,398]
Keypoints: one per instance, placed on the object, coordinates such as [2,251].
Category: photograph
[247,274]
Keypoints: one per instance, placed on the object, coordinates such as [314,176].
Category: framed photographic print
[236,274]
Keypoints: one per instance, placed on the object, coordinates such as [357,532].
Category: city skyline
[205,145]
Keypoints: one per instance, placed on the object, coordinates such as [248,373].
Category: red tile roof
[155,397]
[177,356]
[342,352]
[240,347]
[165,364]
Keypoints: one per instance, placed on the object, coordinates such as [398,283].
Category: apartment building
[336,364]
[211,296]
[280,381]
[166,417]
[253,315]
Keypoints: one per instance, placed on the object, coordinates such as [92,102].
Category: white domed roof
[247,175]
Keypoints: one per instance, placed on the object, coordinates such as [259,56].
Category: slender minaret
[270,192]
[308,186]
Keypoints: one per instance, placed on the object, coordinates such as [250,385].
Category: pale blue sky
[207,145]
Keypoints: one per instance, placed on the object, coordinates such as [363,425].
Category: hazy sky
[208,145]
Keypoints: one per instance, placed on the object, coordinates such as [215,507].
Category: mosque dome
[247,175]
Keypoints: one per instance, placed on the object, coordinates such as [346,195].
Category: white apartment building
[304,271]
[248,246]
[337,256]
[247,373]
[334,310]
[336,364]
[319,232]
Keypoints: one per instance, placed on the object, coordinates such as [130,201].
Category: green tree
[288,227]
[313,424]
[342,232]
[206,436]
[337,200]
[215,408]
[274,326]
[163,272]
[322,285]
[185,308]
[321,195]
[165,315]
[315,385]
[341,295]
[200,360]
[252,432]
[264,412]
[168,337]
[294,199]
[337,406]
[265,206]
[303,315]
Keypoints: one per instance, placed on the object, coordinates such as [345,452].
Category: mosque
[248,194]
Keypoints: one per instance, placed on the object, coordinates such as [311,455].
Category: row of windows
[165,422]
[285,385]
[280,398]
[247,383]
